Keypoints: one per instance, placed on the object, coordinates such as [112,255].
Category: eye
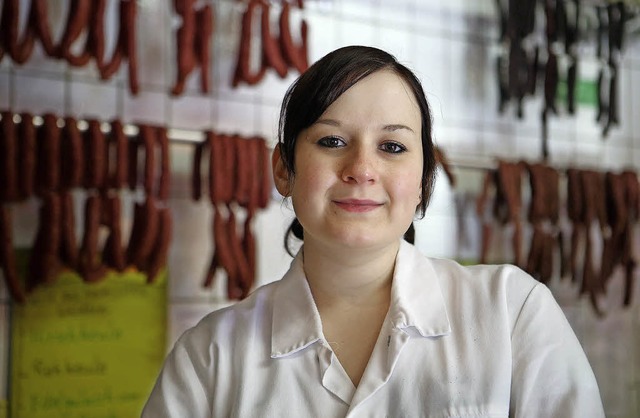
[331,142]
[393,147]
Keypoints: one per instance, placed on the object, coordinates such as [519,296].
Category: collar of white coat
[417,305]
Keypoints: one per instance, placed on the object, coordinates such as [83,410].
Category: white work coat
[481,341]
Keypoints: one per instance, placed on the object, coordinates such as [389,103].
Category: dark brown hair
[315,90]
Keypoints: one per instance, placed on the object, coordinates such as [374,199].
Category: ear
[280,173]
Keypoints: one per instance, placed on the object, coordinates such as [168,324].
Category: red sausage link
[48,155]
[243,65]
[196,172]
[95,38]
[113,254]
[186,58]
[77,21]
[132,162]
[148,138]
[242,171]
[295,57]
[8,159]
[165,158]
[117,139]
[39,22]
[95,156]
[130,24]
[270,46]
[19,49]
[90,267]
[265,174]
[160,252]
[68,243]
[244,277]
[27,156]
[147,230]
[226,170]
[44,264]
[71,155]
[205,27]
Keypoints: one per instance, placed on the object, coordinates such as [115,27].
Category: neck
[349,277]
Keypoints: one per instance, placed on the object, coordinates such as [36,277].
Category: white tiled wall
[451,46]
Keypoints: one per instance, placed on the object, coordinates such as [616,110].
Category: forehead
[382,96]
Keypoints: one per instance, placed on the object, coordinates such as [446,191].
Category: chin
[362,240]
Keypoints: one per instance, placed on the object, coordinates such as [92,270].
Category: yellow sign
[83,350]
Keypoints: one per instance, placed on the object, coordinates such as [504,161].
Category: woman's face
[359,166]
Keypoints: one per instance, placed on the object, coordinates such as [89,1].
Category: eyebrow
[390,128]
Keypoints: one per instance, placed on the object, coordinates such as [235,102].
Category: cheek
[407,187]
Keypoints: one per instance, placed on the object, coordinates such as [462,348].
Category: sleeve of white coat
[551,374]
[181,389]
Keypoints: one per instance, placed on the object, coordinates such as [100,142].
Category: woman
[363,324]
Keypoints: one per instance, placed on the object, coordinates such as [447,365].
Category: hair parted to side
[318,87]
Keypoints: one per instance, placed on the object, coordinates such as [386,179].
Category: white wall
[451,45]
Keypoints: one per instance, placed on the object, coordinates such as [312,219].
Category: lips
[357,205]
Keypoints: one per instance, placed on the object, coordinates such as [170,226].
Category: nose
[359,167]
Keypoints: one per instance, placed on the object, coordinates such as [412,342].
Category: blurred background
[536,116]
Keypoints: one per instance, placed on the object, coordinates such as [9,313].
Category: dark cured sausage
[226,168]
[130,12]
[146,230]
[593,189]
[196,172]
[48,155]
[118,140]
[217,167]
[8,160]
[44,264]
[575,210]
[26,156]
[7,256]
[132,163]
[71,155]
[95,37]
[160,252]
[165,172]
[68,243]
[95,156]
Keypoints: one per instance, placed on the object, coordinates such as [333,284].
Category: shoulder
[484,292]
[227,325]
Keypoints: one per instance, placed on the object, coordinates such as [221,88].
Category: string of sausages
[610,42]
[85,20]
[600,207]
[48,162]
[525,56]
[239,184]
[277,52]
